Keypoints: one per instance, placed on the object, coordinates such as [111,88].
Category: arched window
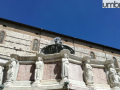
[35,45]
[92,55]
[115,62]
[2,36]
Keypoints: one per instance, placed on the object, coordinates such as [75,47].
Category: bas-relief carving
[66,67]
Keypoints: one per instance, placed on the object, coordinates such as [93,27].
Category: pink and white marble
[26,72]
[75,72]
[52,70]
[99,76]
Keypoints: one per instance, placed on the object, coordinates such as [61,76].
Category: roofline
[58,33]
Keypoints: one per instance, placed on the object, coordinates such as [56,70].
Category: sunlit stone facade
[23,65]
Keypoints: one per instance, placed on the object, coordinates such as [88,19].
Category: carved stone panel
[99,76]
[75,72]
[52,70]
[26,72]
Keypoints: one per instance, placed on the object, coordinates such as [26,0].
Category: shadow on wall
[57,70]
[32,70]
[5,74]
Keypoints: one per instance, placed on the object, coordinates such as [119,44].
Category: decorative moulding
[58,56]
[109,61]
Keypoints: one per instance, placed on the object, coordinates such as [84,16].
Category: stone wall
[16,43]
[19,39]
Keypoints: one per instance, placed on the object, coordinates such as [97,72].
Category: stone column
[11,72]
[1,74]
[38,71]
[88,74]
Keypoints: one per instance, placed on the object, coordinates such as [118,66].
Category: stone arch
[92,54]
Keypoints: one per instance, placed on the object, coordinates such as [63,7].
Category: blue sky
[83,19]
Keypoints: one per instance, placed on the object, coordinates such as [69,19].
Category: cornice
[58,57]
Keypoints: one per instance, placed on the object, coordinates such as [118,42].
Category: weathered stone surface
[109,56]
[17,45]
[24,41]
[77,54]
[99,76]
[20,37]
[8,51]
[26,73]
[75,72]
[80,88]
[52,70]
[18,40]
[42,45]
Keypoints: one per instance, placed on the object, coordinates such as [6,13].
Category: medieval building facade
[36,59]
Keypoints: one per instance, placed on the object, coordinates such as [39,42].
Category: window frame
[93,53]
[32,45]
[4,37]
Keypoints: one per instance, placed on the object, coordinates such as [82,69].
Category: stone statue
[88,73]
[11,70]
[39,70]
[57,40]
[114,78]
[119,75]
[1,74]
[65,67]
[110,65]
